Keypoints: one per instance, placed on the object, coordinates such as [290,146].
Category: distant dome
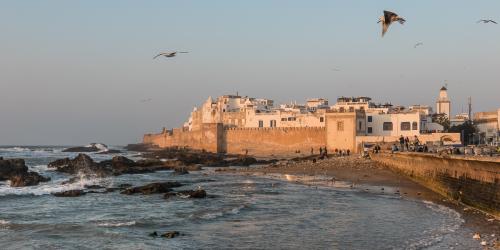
[444,88]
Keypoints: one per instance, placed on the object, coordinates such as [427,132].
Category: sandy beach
[354,172]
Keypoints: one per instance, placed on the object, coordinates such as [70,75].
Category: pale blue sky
[74,72]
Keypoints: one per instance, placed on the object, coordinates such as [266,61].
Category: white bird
[418,44]
[486,21]
[169,54]
[388,18]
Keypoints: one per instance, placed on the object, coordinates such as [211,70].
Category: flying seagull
[486,21]
[169,54]
[388,18]
[418,44]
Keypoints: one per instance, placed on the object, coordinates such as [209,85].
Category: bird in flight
[388,18]
[418,44]
[486,21]
[169,54]
[146,100]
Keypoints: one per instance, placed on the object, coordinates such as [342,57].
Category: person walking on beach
[402,142]
[312,151]
[348,152]
[407,143]
[320,151]
[326,152]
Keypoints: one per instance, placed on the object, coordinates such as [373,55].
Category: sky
[75,72]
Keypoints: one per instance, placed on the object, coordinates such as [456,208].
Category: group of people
[323,152]
[406,145]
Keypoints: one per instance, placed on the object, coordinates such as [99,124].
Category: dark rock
[81,164]
[200,193]
[196,167]
[153,234]
[27,179]
[153,188]
[93,147]
[125,185]
[93,187]
[12,167]
[69,193]
[170,235]
[180,171]
[16,171]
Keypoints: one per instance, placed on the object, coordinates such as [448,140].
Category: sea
[241,212]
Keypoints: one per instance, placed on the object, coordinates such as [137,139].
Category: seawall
[473,182]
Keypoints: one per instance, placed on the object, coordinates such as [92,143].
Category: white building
[393,124]
[488,125]
[443,103]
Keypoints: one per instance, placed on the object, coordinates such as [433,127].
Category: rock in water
[93,147]
[69,193]
[170,235]
[180,171]
[81,164]
[28,179]
[17,172]
[11,167]
[153,188]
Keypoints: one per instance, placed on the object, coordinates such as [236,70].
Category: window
[291,118]
[342,110]
[405,126]
[272,123]
[321,119]
[351,109]
[370,118]
[370,130]
[387,126]
[283,119]
[261,123]
[340,126]
[360,125]
[414,126]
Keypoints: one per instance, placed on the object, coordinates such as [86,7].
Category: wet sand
[368,176]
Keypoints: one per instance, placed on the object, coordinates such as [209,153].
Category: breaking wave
[116,224]
[214,215]
[50,187]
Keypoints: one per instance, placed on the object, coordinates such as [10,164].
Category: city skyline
[76,72]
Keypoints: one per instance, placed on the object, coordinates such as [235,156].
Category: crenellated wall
[274,141]
[208,137]
[473,182]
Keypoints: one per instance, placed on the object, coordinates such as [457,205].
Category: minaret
[443,104]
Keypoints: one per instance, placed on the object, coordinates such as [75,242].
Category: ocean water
[243,212]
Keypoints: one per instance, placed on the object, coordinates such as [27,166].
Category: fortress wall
[274,141]
[208,137]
